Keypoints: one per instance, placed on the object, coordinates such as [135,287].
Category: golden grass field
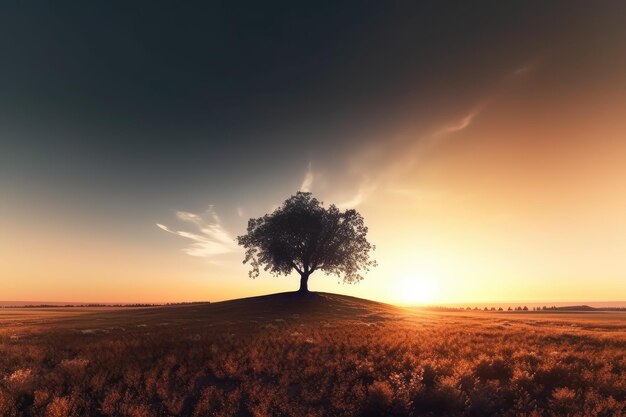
[323,355]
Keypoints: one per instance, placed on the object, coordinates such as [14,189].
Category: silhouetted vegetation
[573,308]
[304,236]
[90,305]
[318,356]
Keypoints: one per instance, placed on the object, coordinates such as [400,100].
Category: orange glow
[522,202]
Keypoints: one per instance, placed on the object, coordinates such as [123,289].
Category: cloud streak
[461,124]
[397,164]
[210,239]
[307,183]
[409,146]
[365,188]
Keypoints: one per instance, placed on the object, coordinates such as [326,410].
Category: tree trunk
[304,281]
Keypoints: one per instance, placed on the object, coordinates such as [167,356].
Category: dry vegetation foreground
[326,355]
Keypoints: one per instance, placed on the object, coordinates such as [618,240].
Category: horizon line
[606,303]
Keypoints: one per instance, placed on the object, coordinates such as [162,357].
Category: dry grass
[326,355]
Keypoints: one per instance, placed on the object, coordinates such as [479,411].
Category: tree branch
[296,268]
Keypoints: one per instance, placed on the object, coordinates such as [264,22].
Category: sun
[417,290]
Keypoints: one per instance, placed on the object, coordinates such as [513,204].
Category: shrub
[493,369]
[379,399]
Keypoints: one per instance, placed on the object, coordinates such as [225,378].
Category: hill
[310,307]
[267,308]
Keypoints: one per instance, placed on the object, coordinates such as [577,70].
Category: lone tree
[304,236]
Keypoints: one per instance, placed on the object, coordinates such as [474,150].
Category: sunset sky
[484,143]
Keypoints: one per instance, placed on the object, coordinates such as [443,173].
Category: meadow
[323,355]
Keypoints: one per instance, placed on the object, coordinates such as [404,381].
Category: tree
[304,236]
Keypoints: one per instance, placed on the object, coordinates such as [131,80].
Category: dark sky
[101,93]
[114,115]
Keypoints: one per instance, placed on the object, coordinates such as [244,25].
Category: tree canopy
[304,236]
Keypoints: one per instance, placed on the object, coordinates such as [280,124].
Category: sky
[483,142]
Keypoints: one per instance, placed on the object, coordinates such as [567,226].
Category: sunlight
[417,290]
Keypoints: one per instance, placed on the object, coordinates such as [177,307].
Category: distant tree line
[103,305]
[526,308]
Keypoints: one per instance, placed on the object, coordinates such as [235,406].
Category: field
[324,355]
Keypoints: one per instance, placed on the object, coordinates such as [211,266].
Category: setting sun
[417,290]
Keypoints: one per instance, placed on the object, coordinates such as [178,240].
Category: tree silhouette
[304,236]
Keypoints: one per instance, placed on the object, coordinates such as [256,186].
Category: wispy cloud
[307,183]
[379,167]
[209,239]
[391,166]
[460,124]
[365,188]
[525,69]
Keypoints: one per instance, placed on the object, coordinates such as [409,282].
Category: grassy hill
[267,308]
[325,354]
